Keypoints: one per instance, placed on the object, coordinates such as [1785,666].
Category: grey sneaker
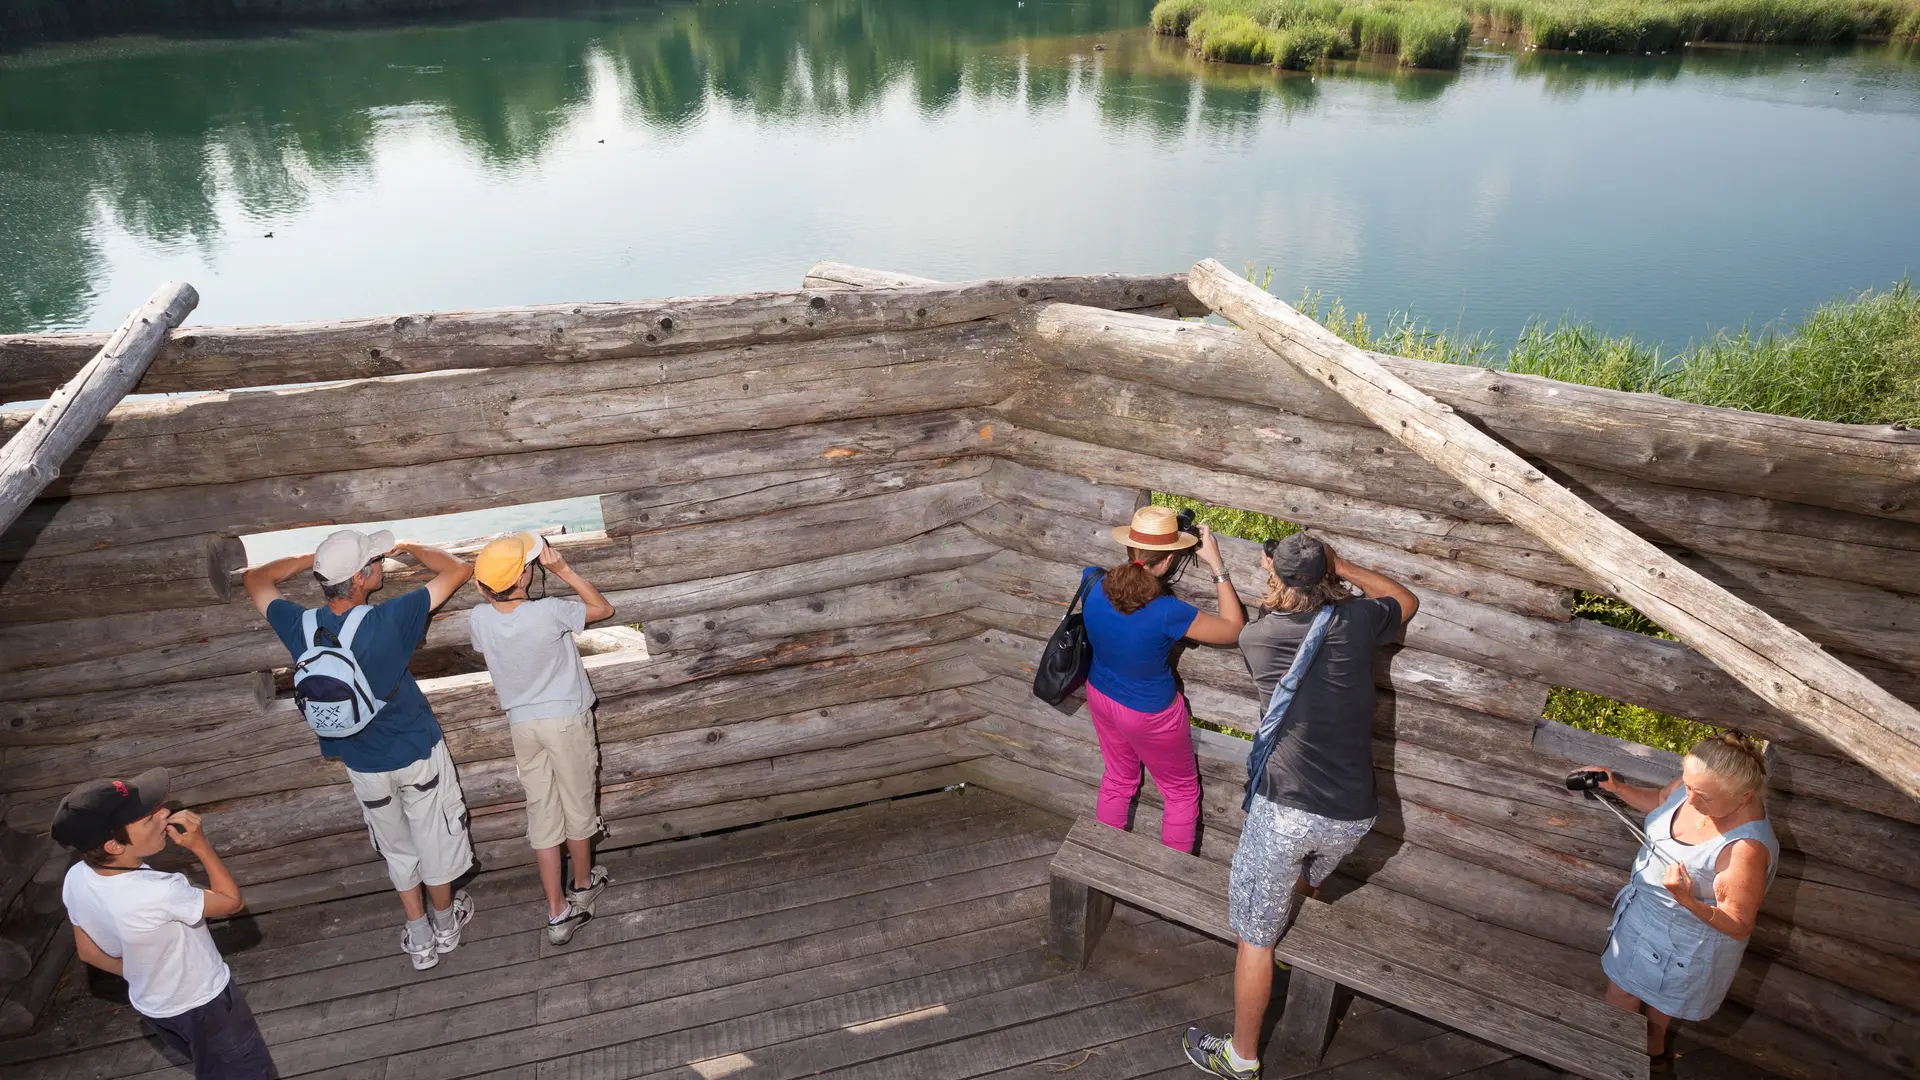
[420,949]
[584,898]
[1209,1054]
[446,929]
[560,930]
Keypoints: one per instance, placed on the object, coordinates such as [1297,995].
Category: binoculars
[1586,780]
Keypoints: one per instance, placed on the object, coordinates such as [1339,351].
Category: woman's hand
[1208,550]
[1610,784]
[1680,884]
[551,558]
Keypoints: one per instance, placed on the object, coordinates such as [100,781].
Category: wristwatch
[1220,577]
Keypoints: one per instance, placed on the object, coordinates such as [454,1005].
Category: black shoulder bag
[1064,662]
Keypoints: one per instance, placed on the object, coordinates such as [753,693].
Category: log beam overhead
[225,358]
[1776,662]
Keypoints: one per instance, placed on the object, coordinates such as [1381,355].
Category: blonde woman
[1133,624]
[1680,926]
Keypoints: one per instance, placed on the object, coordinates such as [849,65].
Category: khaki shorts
[417,819]
[558,761]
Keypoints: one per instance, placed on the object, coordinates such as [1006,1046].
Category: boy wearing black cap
[150,927]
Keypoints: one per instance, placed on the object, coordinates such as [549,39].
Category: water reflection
[175,142]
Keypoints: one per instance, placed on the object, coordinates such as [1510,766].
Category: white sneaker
[422,951]
[596,884]
[446,929]
[561,930]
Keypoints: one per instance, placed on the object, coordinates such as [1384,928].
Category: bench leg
[1076,916]
[1306,1024]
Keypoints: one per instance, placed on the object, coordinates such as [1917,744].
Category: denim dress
[1659,951]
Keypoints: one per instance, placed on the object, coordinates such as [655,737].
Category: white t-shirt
[530,653]
[154,922]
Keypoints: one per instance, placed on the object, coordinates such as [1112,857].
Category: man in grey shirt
[1315,802]
[543,687]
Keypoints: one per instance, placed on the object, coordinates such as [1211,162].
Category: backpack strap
[310,625]
[352,626]
[1280,704]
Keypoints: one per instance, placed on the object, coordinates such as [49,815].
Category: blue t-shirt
[405,731]
[1130,651]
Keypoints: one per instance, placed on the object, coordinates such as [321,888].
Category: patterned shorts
[1277,846]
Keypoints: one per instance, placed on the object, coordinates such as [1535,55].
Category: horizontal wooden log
[79,719]
[638,696]
[1498,547]
[729,498]
[1792,536]
[185,571]
[680,563]
[1022,485]
[827,274]
[1461,579]
[80,524]
[917,597]
[1861,470]
[1833,779]
[1252,440]
[1360,460]
[378,423]
[222,358]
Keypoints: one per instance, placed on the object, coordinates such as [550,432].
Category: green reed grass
[1434,33]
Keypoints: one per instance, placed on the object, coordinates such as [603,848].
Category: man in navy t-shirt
[408,790]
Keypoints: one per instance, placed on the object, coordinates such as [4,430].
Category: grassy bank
[1853,361]
[1434,33]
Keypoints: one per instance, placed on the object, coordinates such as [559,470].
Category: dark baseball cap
[1299,560]
[88,815]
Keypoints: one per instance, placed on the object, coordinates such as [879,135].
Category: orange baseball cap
[500,564]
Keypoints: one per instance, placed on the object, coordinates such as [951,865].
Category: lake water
[693,148]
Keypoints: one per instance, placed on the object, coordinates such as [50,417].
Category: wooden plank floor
[900,939]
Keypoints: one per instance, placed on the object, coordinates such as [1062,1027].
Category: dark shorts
[220,1037]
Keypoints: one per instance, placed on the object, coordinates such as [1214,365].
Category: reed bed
[1434,33]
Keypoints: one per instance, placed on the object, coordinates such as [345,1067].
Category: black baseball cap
[88,815]
[1299,560]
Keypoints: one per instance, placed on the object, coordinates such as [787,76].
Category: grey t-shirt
[530,653]
[1323,763]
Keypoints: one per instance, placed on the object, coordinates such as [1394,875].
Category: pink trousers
[1162,741]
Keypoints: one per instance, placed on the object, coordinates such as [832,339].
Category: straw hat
[1154,528]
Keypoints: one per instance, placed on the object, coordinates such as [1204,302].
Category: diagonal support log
[1779,664]
[32,458]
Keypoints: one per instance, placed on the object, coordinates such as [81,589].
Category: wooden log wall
[785,480]
[846,517]
[1478,838]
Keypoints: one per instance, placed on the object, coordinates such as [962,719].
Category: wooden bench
[1333,952]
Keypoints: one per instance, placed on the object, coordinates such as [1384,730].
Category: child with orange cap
[529,649]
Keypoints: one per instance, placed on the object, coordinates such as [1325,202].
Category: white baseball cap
[347,552]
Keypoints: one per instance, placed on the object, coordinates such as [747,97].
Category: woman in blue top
[1680,926]
[1133,623]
